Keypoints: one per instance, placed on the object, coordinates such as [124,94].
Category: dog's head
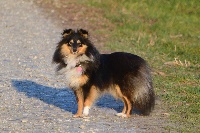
[74,45]
[74,42]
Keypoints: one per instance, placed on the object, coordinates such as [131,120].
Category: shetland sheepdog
[90,74]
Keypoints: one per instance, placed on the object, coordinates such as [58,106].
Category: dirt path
[32,98]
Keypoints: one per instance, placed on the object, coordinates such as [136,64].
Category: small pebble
[81,127]
[24,120]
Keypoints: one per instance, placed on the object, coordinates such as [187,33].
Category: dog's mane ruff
[93,54]
[58,57]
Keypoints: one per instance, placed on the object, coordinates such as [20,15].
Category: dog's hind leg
[92,96]
[126,112]
[123,113]
[129,106]
[80,98]
[125,106]
[127,103]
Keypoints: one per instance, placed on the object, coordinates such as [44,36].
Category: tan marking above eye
[71,41]
[78,41]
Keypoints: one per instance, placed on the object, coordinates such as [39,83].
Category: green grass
[161,31]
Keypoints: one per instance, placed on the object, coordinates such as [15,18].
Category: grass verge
[167,34]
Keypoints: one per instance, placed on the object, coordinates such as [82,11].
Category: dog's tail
[144,96]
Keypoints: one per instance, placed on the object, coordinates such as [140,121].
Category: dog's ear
[67,32]
[83,32]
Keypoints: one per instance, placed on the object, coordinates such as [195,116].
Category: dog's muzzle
[74,50]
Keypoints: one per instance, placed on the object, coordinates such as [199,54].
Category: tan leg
[79,98]
[129,107]
[127,104]
[123,113]
[92,96]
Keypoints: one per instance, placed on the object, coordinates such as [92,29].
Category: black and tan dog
[90,74]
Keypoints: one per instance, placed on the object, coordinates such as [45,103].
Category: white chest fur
[74,73]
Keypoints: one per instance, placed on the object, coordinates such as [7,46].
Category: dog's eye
[80,45]
[69,44]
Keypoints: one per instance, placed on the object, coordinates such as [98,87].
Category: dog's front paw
[86,111]
[77,115]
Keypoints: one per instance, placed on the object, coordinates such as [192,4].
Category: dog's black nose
[74,50]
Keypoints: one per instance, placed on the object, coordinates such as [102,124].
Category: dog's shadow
[60,97]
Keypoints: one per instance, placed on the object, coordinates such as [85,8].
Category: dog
[90,74]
